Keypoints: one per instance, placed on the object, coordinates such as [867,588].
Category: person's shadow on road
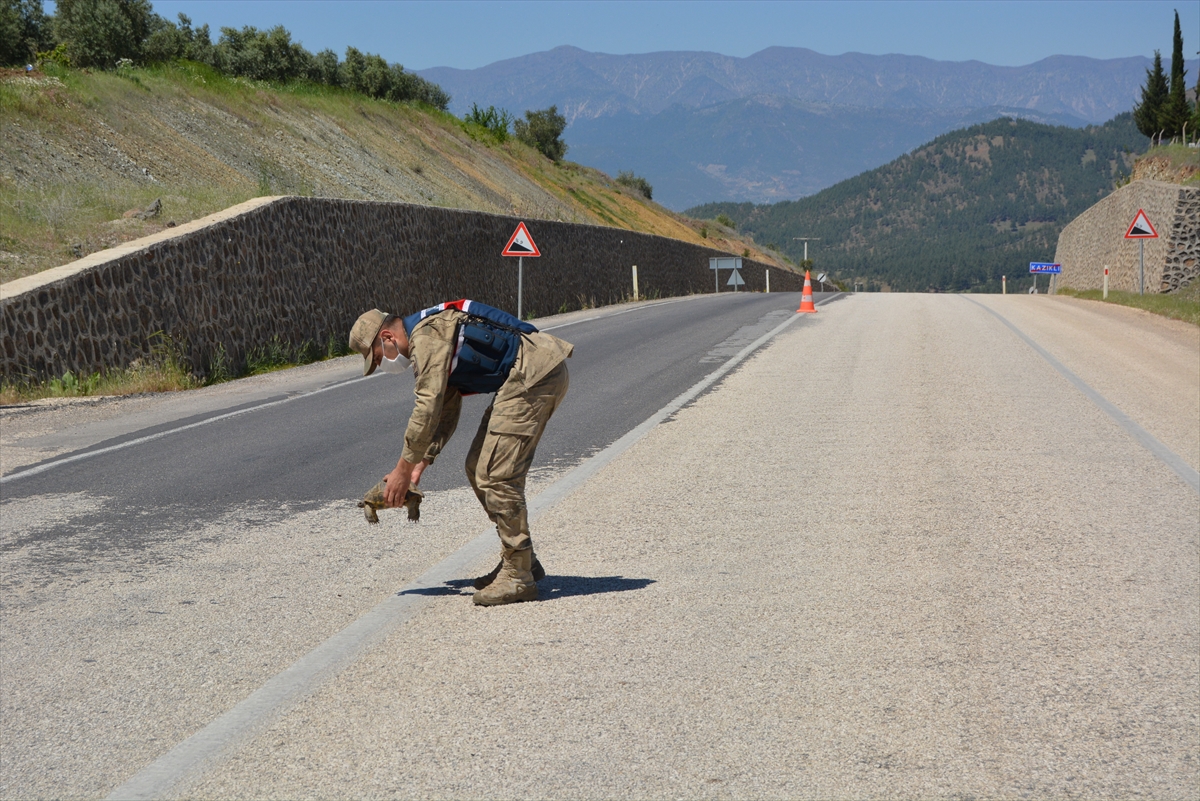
[549,588]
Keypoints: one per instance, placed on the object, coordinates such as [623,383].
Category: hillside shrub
[324,68]
[725,220]
[24,31]
[636,182]
[495,121]
[542,130]
[98,33]
[58,57]
[261,55]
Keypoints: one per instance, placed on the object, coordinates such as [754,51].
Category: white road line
[1144,438]
[42,468]
[286,689]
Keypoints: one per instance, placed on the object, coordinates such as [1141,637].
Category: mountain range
[784,122]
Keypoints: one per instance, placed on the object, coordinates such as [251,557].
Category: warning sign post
[1141,229]
[521,244]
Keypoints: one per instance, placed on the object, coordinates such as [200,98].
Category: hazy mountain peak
[648,83]
[783,122]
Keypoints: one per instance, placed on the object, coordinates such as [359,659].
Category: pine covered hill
[955,214]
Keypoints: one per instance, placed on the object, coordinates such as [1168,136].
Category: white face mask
[396,366]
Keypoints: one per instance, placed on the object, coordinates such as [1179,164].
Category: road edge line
[288,687]
[1190,476]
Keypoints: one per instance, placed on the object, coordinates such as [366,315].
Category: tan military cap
[362,337]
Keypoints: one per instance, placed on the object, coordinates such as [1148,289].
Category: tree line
[1164,111]
[109,34]
[105,34]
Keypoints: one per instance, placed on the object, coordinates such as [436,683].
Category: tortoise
[373,500]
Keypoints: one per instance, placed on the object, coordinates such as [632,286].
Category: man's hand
[399,480]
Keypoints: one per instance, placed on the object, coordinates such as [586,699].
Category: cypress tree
[1176,111]
[1148,114]
[1194,125]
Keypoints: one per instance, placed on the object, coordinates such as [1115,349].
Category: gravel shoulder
[1146,364]
[947,594]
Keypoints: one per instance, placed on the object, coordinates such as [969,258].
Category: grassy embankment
[1182,305]
[1175,163]
[79,150]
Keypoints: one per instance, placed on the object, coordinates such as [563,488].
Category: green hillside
[955,214]
[82,152]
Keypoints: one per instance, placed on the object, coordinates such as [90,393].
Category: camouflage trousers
[503,449]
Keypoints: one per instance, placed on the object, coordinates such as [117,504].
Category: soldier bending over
[461,348]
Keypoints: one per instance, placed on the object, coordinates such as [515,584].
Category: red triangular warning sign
[1141,228]
[521,243]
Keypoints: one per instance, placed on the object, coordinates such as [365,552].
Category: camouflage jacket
[438,405]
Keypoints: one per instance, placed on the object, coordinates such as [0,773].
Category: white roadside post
[1106,282]
[1141,229]
[768,272]
[635,289]
[521,244]
[1004,285]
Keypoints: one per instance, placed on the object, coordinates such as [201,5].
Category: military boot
[514,582]
[538,571]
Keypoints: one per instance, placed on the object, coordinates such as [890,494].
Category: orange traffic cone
[806,301]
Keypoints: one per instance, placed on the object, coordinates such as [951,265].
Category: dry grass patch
[1181,305]
[138,378]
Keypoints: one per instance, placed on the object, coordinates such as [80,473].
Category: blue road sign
[1044,267]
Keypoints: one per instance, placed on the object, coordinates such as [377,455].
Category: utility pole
[806,240]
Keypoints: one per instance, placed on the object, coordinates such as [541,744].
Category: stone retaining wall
[303,269]
[1097,237]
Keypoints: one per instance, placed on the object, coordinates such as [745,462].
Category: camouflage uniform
[512,426]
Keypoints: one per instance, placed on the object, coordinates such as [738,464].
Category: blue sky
[471,34]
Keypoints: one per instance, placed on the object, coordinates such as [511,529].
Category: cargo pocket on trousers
[518,426]
[516,417]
